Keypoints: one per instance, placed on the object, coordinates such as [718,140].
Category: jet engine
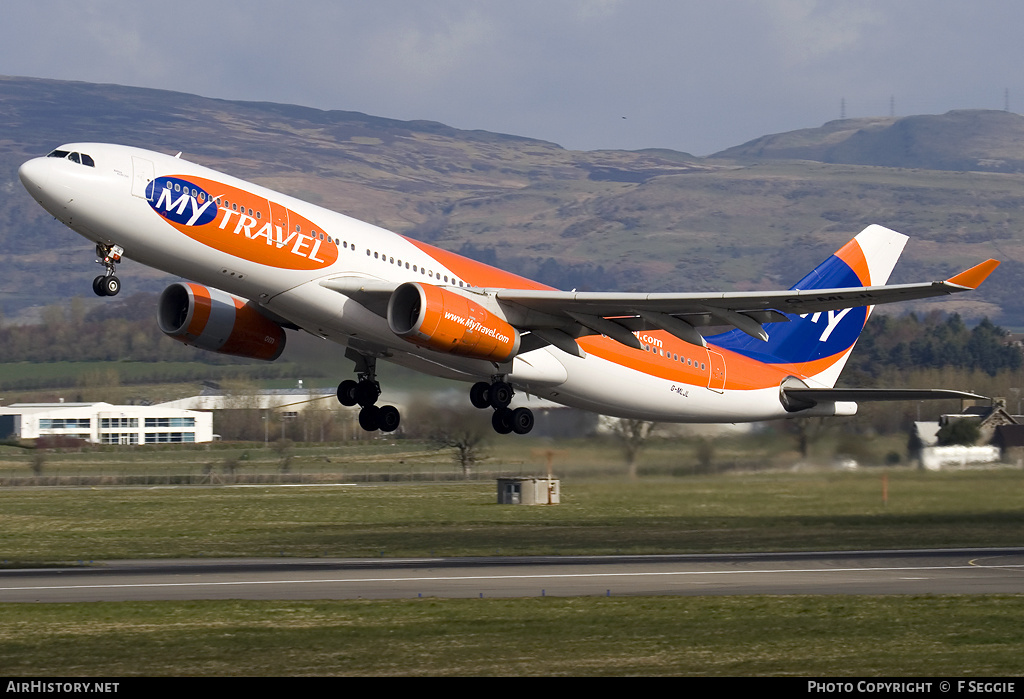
[432,317]
[213,320]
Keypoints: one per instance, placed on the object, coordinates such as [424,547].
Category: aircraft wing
[679,314]
[559,317]
[374,294]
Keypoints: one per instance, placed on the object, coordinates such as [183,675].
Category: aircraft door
[279,216]
[142,174]
[716,371]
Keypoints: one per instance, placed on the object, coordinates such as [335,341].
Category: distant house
[989,416]
[996,428]
[1010,440]
[103,423]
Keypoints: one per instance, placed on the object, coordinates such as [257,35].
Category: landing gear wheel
[97,286]
[388,418]
[347,393]
[368,418]
[110,286]
[367,393]
[500,395]
[501,421]
[522,420]
[479,395]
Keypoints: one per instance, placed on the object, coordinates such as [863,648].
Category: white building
[103,423]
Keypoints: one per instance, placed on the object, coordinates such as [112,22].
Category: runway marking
[976,562]
[456,578]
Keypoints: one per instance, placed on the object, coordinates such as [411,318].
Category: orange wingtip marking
[973,277]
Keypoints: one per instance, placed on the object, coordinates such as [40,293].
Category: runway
[950,571]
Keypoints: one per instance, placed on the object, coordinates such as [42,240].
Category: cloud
[686,74]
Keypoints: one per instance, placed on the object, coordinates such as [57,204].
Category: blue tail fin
[819,343]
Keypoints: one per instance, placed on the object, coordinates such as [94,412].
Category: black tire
[522,420]
[97,286]
[388,418]
[347,392]
[111,285]
[479,395]
[501,421]
[368,418]
[500,395]
[367,393]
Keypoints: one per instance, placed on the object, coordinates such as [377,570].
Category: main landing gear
[107,284]
[498,395]
[365,393]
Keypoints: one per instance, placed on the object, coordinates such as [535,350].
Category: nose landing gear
[107,284]
[498,395]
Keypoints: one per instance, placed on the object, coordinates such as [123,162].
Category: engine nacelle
[432,317]
[213,320]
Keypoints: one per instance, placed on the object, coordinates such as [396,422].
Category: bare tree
[465,430]
[632,435]
[283,449]
[806,431]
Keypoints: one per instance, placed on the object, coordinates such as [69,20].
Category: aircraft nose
[34,175]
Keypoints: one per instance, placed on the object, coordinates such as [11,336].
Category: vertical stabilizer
[817,345]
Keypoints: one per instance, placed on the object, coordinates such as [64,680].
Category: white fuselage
[107,203]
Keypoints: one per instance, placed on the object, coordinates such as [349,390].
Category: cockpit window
[80,158]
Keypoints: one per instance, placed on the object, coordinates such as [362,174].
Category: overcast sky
[696,76]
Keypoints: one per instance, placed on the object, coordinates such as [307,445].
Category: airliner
[259,263]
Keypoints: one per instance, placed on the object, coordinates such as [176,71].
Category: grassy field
[738,636]
[784,636]
[733,512]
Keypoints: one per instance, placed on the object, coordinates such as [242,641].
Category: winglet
[973,277]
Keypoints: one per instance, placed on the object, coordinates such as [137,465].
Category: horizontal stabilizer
[800,396]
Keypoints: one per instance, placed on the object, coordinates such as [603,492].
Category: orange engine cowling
[213,320]
[432,317]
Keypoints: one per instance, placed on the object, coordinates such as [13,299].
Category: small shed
[529,490]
